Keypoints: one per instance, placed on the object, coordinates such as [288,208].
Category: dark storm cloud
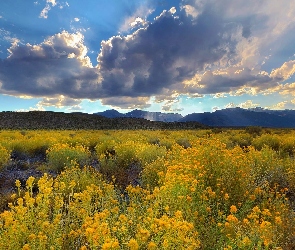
[170,50]
[53,67]
[233,80]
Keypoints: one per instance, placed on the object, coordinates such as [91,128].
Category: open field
[140,189]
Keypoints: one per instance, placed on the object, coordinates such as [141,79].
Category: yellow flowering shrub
[4,156]
[213,193]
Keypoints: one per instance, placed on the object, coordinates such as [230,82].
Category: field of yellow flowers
[197,189]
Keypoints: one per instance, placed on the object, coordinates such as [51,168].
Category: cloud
[285,71]
[162,55]
[58,66]
[7,36]
[137,19]
[206,47]
[59,102]
[248,104]
[127,102]
[278,106]
[75,108]
[38,107]
[233,80]
[230,105]
[49,5]
[47,8]
[287,89]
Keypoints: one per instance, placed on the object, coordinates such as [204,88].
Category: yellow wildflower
[152,245]
[233,209]
[26,247]
[133,245]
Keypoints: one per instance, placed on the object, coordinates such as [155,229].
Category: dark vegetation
[67,121]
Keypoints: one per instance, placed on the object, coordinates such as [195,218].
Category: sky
[185,56]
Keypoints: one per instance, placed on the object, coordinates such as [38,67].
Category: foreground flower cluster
[196,190]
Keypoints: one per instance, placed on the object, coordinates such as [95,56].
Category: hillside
[59,120]
[238,117]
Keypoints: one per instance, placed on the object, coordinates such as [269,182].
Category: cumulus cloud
[59,65]
[38,107]
[234,80]
[207,47]
[126,102]
[287,89]
[278,106]
[59,102]
[285,71]
[248,104]
[162,55]
[230,105]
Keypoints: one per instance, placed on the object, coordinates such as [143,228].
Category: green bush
[271,141]
[184,142]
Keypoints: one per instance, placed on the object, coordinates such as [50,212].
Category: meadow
[140,189]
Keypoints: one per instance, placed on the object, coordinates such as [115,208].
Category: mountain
[230,117]
[151,116]
[111,113]
[154,116]
[238,117]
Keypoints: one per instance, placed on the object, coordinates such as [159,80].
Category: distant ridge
[151,116]
[238,117]
[60,120]
[138,119]
[230,117]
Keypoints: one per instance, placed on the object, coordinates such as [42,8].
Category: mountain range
[230,117]
[151,116]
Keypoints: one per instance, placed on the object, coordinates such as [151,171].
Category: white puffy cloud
[137,19]
[230,105]
[285,71]
[248,104]
[59,102]
[278,106]
[126,102]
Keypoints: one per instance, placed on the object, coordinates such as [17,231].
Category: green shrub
[254,130]
[271,141]
[184,142]
[242,140]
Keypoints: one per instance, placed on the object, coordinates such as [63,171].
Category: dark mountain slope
[238,117]
[59,120]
